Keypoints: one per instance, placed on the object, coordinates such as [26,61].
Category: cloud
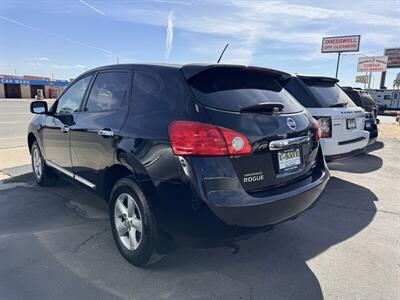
[69,66]
[71,41]
[170,34]
[92,7]
[248,25]
[41,58]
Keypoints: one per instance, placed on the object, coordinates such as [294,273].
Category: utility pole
[337,64]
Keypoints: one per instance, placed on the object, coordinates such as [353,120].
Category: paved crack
[360,209]
[92,237]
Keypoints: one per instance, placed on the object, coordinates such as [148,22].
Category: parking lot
[56,242]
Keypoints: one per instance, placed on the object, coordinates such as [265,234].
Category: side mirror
[39,107]
[378,121]
[66,119]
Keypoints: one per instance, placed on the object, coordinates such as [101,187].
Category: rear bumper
[271,210]
[344,145]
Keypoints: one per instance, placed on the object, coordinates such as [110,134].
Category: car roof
[189,70]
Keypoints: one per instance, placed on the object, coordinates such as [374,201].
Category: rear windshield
[355,97]
[367,99]
[328,93]
[233,88]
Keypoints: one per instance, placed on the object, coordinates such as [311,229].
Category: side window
[72,98]
[386,97]
[109,91]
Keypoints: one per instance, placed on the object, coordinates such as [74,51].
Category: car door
[95,132]
[55,130]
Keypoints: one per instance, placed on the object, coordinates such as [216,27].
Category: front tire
[43,175]
[133,225]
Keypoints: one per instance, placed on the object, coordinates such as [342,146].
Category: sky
[64,38]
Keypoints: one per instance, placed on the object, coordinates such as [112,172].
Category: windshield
[328,93]
[367,99]
[233,88]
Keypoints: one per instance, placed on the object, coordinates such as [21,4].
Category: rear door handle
[65,128]
[106,132]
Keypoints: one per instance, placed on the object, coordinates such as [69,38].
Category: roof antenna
[223,51]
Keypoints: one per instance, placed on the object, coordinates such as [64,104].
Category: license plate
[351,123]
[289,159]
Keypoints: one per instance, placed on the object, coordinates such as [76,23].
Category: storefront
[26,87]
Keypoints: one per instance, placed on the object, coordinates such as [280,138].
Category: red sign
[349,43]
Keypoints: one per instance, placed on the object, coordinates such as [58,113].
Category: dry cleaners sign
[349,43]
[372,64]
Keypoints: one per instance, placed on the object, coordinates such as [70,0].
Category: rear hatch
[346,117]
[325,100]
[251,101]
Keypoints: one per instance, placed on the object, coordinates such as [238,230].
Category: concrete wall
[2,91]
[25,91]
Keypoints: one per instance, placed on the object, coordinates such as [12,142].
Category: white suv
[341,121]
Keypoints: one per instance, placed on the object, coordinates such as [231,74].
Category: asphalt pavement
[55,243]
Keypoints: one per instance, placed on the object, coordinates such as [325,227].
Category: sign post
[393,55]
[339,44]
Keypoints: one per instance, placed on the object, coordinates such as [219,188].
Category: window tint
[355,96]
[301,93]
[72,98]
[109,91]
[328,93]
[232,88]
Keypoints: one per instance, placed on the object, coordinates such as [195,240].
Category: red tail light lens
[198,139]
[318,128]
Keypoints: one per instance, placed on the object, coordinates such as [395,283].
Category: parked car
[198,155]
[342,123]
[371,125]
[362,99]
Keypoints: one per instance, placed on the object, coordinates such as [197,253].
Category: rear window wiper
[342,104]
[263,107]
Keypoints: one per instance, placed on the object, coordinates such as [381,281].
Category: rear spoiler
[191,70]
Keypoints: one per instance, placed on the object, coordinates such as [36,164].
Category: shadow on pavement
[375,146]
[362,163]
[82,259]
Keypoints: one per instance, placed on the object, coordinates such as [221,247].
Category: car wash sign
[372,64]
[349,43]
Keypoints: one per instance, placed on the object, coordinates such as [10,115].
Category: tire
[43,175]
[133,225]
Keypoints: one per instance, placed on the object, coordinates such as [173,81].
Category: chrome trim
[61,169]
[84,181]
[70,174]
[286,143]
[104,132]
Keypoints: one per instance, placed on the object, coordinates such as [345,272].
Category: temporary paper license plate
[289,159]
[351,123]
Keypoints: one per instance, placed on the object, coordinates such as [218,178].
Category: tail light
[325,125]
[318,128]
[198,139]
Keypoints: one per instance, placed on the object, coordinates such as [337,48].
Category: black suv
[363,99]
[197,155]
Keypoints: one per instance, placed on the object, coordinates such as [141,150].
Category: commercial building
[27,86]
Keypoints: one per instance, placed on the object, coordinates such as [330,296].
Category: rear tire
[133,225]
[43,175]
